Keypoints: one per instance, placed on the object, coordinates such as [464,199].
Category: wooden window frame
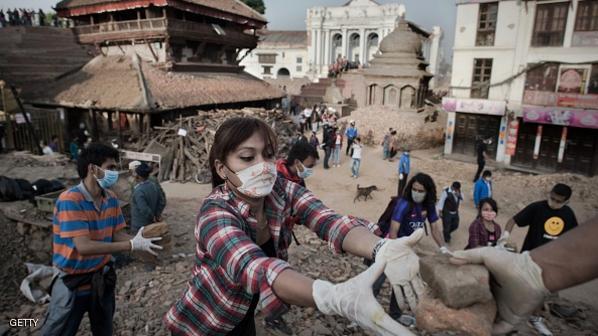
[485,37]
[266,58]
[268,68]
[478,79]
[547,36]
[590,9]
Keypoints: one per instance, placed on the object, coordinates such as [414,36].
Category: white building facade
[353,31]
[525,73]
[278,54]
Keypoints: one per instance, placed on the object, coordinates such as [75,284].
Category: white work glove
[503,240]
[518,287]
[402,269]
[354,300]
[444,250]
[401,176]
[140,243]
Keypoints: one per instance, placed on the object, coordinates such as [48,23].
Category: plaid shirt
[479,236]
[231,268]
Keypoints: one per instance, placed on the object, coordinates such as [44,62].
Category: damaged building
[156,60]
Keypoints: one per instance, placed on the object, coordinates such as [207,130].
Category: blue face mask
[110,178]
[307,172]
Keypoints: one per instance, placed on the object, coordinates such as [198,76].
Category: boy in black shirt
[547,220]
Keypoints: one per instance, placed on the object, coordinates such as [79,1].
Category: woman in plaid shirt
[242,240]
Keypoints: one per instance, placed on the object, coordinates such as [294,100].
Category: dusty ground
[144,296]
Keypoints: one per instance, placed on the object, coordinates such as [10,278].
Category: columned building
[353,31]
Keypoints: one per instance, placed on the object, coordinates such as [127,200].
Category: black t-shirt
[545,224]
[481,149]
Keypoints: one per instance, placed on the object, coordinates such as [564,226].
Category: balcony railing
[126,29]
[122,26]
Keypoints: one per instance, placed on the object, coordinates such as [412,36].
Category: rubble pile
[185,143]
[415,130]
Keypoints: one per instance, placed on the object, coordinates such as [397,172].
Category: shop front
[555,139]
[472,119]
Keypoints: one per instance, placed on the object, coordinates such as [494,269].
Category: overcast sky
[290,14]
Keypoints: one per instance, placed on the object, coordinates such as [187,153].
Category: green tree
[258,5]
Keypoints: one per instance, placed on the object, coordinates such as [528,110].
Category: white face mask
[418,196]
[258,180]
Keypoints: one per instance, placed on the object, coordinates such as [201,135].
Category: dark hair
[562,190]
[486,173]
[490,201]
[233,133]
[143,170]
[301,151]
[456,185]
[393,132]
[96,154]
[428,183]
[358,139]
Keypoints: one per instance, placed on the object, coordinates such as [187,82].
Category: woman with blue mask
[417,204]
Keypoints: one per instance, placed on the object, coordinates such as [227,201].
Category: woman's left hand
[354,300]
[402,268]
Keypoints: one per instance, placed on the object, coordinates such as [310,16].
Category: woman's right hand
[354,300]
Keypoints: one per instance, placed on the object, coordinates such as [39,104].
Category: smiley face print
[554,226]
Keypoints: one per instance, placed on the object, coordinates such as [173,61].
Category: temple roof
[234,7]
[125,83]
[400,54]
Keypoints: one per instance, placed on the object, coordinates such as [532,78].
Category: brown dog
[364,192]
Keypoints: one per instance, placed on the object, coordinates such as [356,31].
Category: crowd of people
[342,65]
[30,18]
[245,227]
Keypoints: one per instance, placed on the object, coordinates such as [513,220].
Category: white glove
[402,269]
[354,300]
[445,250]
[518,287]
[401,176]
[140,243]
[503,240]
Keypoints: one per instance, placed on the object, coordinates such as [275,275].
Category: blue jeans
[67,308]
[336,155]
[385,152]
[355,167]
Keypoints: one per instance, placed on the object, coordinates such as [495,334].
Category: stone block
[456,286]
[476,320]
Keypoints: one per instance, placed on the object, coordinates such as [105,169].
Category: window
[542,77]
[482,70]
[549,28]
[593,85]
[267,70]
[267,58]
[487,24]
[299,60]
[299,68]
[587,16]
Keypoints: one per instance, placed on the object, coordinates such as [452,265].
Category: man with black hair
[88,228]
[547,221]
[482,188]
[296,168]
[482,155]
[299,163]
[448,208]
[148,203]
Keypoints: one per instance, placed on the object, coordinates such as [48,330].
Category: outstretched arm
[571,259]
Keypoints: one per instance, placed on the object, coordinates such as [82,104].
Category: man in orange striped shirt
[88,228]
